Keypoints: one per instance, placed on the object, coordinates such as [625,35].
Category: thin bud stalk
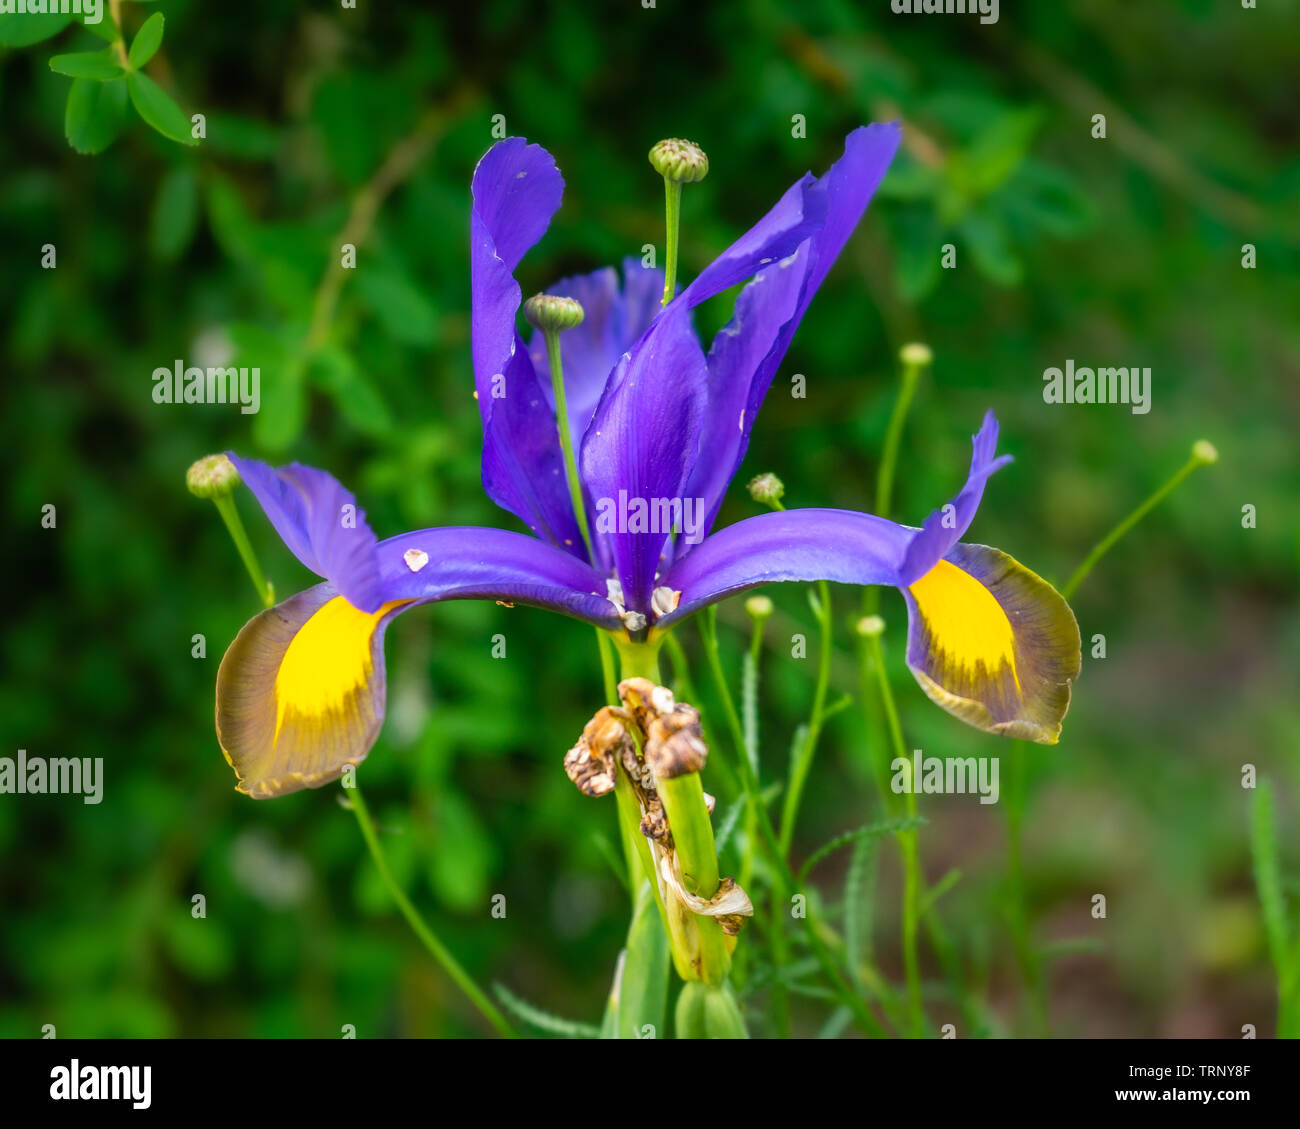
[552,338]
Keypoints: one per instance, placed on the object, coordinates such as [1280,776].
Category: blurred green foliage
[326,126]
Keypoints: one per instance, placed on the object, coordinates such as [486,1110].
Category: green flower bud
[551,313]
[766,488]
[682,162]
[1205,452]
[758,607]
[213,476]
[915,355]
[870,626]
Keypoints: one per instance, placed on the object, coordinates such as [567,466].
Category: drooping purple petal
[641,444]
[814,544]
[746,354]
[320,523]
[946,526]
[471,563]
[516,191]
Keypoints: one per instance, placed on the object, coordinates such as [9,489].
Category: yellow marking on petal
[327,660]
[965,621]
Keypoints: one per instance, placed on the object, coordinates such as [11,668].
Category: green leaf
[175,213]
[283,394]
[868,831]
[859,901]
[26,29]
[147,41]
[1263,846]
[640,992]
[543,1020]
[102,66]
[155,105]
[406,314]
[95,114]
[356,398]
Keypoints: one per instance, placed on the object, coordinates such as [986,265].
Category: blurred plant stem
[909,841]
[1284,950]
[397,166]
[1203,454]
[419,926]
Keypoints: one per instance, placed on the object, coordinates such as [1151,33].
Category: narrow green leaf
[147,41]
[543,1020]
[867,831]
[749,706]
[95,114]
[102,66]
[859,898]
[1263,846]
[642,988]
[156,107]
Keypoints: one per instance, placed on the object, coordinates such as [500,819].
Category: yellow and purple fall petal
[993,643]
[300,692]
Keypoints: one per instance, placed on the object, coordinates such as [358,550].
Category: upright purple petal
[945,527]
[641,444]
[516,191]
[614,317]
[320,523]
[746,354]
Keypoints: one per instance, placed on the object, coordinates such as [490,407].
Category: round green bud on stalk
[870,626]
[551,313]
[916,354]
[758,607]
[682,162]
[213,476]
[766,488]
[1205,452]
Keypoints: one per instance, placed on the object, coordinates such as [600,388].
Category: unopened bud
[552,314]
[213,476]
[915,355]
[1205,452]
[680,161]
[766,488]
[758,607]
[870,626]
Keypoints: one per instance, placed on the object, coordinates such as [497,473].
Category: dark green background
[1118,251]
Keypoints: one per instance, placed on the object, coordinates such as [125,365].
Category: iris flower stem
[909,842]
[803,764]
[428,938]
[1202,455]
[566,437]
[673,216]
[783,882]
[889,455]
[230,515]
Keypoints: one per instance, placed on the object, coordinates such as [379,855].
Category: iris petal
[300,692]
[993,643]
[320,523]
[516,191]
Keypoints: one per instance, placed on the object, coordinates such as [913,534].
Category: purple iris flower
[660,427]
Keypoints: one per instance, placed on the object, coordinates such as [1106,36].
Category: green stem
[803,765]
[437,950]
[1106,543]
[226,508]
[909,842]
[552,338]
[889,457]
[673,213]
